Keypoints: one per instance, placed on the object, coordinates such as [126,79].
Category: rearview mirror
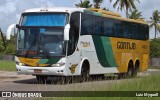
[66,32]
[11,31]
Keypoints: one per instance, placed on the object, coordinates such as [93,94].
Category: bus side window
[97,25]
[22,39]
[74,32]
[126,30]
[135,31]
[142,30]
[146,32]
[138,31]
[118,29]
[108,27]
[86,24]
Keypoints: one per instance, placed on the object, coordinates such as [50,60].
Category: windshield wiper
[45,51]
[31,47]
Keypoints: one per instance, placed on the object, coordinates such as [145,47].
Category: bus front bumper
[57,71]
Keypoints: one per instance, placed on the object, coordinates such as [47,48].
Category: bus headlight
[20,64]
[58,64]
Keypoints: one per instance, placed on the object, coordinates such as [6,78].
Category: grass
[147,83]
[154,67]
[7,65]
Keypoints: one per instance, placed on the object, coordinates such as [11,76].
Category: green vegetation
[154,67]
[97,3]
[147,83]
[84,4]
[7,65]
[136,15]
[2,48]
[155,48]
[155,19]
[125,4]
[10,50]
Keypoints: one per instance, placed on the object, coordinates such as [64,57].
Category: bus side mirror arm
[11,31]
[66,32]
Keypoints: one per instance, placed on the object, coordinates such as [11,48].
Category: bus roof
[55,9]
[96,12]
[113,15]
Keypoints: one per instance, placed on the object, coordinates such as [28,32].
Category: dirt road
[10,81]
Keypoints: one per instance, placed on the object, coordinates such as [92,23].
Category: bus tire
[136,68]
[41,79]
[135,72]
[84,72]
[130,71]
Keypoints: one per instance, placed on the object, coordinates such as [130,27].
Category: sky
[10,10]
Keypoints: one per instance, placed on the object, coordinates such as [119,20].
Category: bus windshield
[41,35]
[44,19]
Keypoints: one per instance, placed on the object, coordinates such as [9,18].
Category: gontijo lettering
[126,45]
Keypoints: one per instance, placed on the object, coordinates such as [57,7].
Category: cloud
[10,10]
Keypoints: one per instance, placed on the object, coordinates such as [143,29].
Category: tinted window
[108,27]
[118,29]
[126,30]
[97,25]
[44,19]
[74,32]
[86,24]
[135,31]
[146,32]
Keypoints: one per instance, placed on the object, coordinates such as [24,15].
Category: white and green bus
[65,42]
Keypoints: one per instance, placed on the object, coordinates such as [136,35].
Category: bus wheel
[41,79]
[130,72]
[136,69]
[135,72]
[84,72]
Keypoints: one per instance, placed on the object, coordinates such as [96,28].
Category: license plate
[37,71]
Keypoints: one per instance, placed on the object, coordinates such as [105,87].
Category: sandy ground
[11,81]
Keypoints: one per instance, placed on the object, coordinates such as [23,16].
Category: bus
[79,42]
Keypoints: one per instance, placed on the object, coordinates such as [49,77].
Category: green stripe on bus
[104,51]
[49,61]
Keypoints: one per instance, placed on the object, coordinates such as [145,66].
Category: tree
[155,48]
[84,4]
[97,3]
[2,48]
[124,4]
[105,9]
[155,19]
[136,15]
